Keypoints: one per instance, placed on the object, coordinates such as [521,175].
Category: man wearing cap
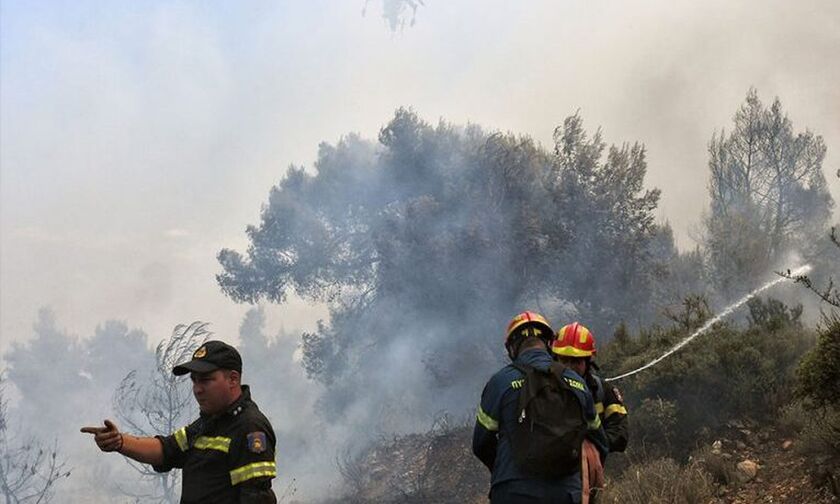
[227,454]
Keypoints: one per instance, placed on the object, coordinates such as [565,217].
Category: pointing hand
[108,438]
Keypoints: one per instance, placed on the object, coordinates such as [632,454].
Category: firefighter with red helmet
[575,346]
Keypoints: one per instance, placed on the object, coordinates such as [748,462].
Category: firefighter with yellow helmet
[512,421]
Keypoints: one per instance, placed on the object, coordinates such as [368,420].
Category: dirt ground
[783,475]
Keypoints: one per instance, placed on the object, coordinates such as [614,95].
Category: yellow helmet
[528,323]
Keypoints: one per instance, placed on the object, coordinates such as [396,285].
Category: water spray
[802,270]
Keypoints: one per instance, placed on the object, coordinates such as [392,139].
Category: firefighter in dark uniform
[528,336]
[610,407]
[574,346]
[576,341]
[227,454]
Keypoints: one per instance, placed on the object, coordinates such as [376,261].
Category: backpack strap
[522,368]
[557,370]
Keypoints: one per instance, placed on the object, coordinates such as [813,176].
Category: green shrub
[729,372]
[653,425]
[792,419]
[820,434]
[819,370]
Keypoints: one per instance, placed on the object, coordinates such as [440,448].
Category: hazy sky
[139,138]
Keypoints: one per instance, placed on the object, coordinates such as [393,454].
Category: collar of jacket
[238,404]
[234,409]
[535,357]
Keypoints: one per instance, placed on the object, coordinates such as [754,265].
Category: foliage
[818,384]
[654,425]
[114,339]
[661,481]
[603,209]
[435,466]
[156,401]
[394,12]
[269,366]
[829,293]
[767,192]
[29,470]
[772,314]
[52,371]
[749,371]
[51,347]
[817,430]
[426,243]
[79,371]
[677,275]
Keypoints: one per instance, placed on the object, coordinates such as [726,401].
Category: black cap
[211,356]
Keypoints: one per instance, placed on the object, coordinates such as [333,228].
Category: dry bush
[661,481]
[722,471]
[435,467]
[792,419]
[817,433]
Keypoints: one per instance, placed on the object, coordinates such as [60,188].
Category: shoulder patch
[257,442]
[618,394]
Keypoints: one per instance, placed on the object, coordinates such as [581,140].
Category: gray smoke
[136,140]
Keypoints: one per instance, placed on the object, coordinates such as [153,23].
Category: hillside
[438,468]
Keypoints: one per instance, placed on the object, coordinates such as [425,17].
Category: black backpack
[547,437]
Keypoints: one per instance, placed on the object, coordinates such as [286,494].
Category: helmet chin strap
[513,349]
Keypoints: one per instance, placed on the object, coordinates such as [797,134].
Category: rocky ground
[770,469]
[748,464]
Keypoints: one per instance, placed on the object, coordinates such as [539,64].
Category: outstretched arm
[147,450]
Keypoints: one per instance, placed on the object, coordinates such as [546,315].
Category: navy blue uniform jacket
[497,417]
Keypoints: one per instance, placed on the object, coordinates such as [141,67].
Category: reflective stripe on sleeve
[181,438]
[486,420]
[221,444]
[595,424]
[599,407]
[615,408]
[251,471]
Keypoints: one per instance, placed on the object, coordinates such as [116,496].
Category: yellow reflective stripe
[570,351]
[250,471]
[599,407]
[212,443]
[487,421]
[576,384]
[595,424]
[615,408]
[181,438]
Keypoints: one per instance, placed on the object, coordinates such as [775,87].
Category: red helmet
[529,324]
[574,340]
